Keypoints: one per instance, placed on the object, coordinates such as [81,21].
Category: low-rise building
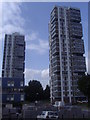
[12,90]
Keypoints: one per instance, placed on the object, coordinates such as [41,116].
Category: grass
[42,101]
[84,105]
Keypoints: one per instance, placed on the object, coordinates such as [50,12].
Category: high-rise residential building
[14,56]
[13,68]
[66,54]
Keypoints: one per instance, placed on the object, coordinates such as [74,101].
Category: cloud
[42,47]
[12,20]
[45,73]
[32,36]
[40,75]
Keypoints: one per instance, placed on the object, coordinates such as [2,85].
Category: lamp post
[37,95]
[36,99]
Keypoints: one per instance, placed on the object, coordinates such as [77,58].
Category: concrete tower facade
[66,54]
[14,56]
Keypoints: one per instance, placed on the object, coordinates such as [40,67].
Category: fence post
[73,115]
[9,115]
[62,116]
[83,115]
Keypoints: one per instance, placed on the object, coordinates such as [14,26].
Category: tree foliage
[84,85]
[47,93]
[34,91]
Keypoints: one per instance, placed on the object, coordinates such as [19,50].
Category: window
[22,97]
[8,83]
[12,83]
[12,97]
[21,83]
[7,97]
[15,89]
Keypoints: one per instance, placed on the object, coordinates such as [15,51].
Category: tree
[47,93]
[34,91]
[84,86]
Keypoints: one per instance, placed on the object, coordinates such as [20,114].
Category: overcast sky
[31,19]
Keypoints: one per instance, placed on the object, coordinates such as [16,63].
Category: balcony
[54,10]
[56,69]
[55,47]
[77,59]
[77,46]
[77,50]
[75,16]
[54,31]
[55,58]
[57,94]
[56,62]
[75,19]
[74,11]
[75,33]
[20,54]
[79,69]
[54,35]
[74,25]
[54,23]
[56,88]
[55,51]
[20,42]
[79,65]
[55,44]
[57,82]
[54,18]
[19,65]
